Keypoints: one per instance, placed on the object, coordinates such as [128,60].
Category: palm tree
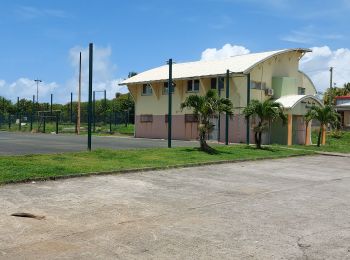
[325,115]
[267,112]
[204,108]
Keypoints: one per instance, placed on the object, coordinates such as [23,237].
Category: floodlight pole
[248,102]
[227,96]
[90,95]
[170,86]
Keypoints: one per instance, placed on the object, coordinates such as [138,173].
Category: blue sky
[42,38]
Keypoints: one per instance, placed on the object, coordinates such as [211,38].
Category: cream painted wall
[284,65]
[305,82]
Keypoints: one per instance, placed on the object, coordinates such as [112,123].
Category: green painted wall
[279,133]
[283,86]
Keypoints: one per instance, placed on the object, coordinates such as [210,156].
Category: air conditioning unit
[269,92]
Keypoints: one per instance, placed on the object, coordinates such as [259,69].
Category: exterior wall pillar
[308,134]
[290,130]
[323,140]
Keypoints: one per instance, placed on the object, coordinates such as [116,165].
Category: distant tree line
[122,104]
[331,93]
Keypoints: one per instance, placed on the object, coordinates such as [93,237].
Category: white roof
[236,64]
[290,101]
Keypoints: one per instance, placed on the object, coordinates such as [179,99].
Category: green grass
[338,145]
[32,167]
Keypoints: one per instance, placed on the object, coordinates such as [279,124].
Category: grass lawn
[339,145]
[31,167]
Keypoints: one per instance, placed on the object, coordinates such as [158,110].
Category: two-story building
[261,76]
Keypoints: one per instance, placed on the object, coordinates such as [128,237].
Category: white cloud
[26,88]
[226,51]
[317,63]
[103,72]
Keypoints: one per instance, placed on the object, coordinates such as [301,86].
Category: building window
[301,91]
[190,118]
[193,85]
[146,118]
[146,89]
[221,82]
[213,83]
[165,88]
[257,85]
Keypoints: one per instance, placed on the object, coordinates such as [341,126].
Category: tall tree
[204,108]
[266,112]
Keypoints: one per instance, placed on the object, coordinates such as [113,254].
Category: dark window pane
[213,83]
[196,85]
[189,85]
[221,83]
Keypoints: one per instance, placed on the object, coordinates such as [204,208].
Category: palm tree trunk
[319,136]
[260,134]
[256,139]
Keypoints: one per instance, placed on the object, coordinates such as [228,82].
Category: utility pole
[331,77]
[170,87]
[90,95]
[79,97]
[37,89]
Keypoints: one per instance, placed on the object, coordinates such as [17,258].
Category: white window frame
[148,93]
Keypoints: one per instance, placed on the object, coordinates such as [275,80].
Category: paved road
[27,143]
[296,208]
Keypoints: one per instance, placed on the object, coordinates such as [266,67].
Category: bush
[336,134]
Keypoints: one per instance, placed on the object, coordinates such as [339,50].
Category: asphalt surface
[296,208]
[27,143]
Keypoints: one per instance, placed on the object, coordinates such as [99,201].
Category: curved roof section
[236,64]
[290,101]
[306,76]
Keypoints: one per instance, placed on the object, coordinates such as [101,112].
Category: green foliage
[331,93]
[267,112]
[120,104]
[205,108]
[325,115]
[337,134]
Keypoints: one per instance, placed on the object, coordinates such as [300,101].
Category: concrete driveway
[26,143]
[296,208]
